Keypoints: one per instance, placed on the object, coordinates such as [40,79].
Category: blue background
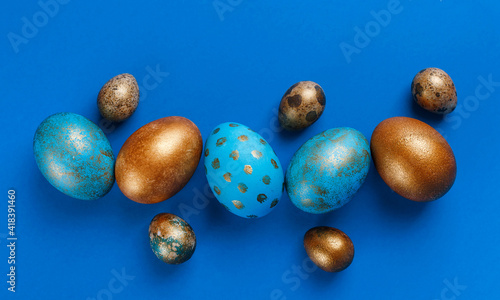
[235,67]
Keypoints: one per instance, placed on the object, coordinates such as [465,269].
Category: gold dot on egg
[217,190]
[274,164]
[261,198]
[266,179]
[207,152]
[248,169]
[243,138]
[263,142]
[242,187]
[216,130]
[221,141]
[227,177]
[273,204]
[238,204]
[233,125]
[257,154]
[216,163]
[235,155]
[307,202]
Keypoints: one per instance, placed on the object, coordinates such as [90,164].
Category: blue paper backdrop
[232,60]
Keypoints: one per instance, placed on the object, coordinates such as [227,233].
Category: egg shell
[329,248]
[301,105]
[75,156]
[434,90]
[158,160]
[243,171]
[328,170]
[413,159]
[118,98]
[171,238]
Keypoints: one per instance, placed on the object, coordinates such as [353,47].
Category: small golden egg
[329,248]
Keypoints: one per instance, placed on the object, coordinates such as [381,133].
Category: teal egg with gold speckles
[75,156]
[171,238]
[243,170]
[328,169]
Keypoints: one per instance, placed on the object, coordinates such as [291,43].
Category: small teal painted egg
[243,171]
[171,238]
[75,156]
[328,170]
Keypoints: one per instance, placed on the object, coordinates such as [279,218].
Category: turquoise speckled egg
[328,170]
[243,171]
[75,156]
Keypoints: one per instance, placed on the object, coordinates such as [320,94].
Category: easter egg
[329,248]
[171,238]
[118,98]
[243,171]
[328,170]
[75,156]
[434,91]
[302,105]
[413,159]
[158,160]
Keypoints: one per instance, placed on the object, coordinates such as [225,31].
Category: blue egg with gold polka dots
[243,170]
